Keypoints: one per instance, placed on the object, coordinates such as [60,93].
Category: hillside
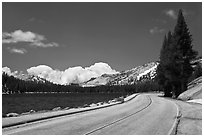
[27,77]
[128,77]
[194,91]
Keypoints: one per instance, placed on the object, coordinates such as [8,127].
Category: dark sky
[124,35]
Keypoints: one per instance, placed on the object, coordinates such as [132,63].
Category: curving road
[146,114]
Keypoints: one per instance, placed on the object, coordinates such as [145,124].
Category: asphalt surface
[146,114]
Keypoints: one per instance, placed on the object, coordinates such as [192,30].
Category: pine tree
[161,69]
[176,55]
[165,63]
[184,53]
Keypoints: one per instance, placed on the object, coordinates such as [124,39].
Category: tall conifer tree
[176,55]
[182,42]
[162,73]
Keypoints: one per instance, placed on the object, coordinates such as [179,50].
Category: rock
[86,105]
[67,108]
[31,111]
[99,103]
[104,103]
[110,101]
[57,108]
[92,105]
[42,111]
[12,115]
[121,99]
[26,113]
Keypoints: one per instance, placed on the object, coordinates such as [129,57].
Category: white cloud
[33,38]
[18,51]
[73,74]
[171,13]
[41,70]
[8,71]
[20,36]
[156,30]
[41,44]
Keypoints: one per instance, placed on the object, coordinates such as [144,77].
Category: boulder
[12,115]
[67,108]
[92,105]
[57,108]
[86,105]
[31,111]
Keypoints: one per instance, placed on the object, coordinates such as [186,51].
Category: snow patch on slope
[147,71]
[199,101]
[125,77]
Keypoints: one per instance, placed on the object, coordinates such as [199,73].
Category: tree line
[13,85]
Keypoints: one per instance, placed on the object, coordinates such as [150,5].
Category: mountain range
[127,77]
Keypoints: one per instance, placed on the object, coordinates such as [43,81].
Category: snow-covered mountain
[28,77]
[146,71]
[127,77]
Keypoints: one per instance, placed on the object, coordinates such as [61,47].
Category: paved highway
[146,114]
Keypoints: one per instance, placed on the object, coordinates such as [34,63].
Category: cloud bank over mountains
[8,71]
[76,74]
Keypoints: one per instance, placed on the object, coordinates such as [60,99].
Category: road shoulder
[190,120]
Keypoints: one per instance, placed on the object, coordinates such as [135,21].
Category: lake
[20,103]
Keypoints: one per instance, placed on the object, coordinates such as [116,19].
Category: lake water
[20,103]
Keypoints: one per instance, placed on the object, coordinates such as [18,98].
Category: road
[146,114]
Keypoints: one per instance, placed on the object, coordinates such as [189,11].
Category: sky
[66,35]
